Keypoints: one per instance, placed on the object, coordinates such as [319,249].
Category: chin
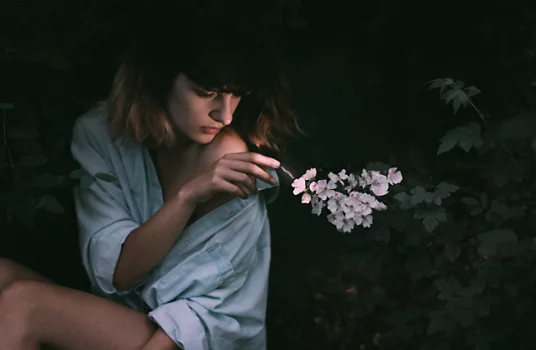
[205,139]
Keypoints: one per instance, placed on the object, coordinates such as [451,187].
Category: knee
[17,301]
[7,270]
[19,297]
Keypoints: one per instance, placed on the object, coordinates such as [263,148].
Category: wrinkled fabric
[210,290]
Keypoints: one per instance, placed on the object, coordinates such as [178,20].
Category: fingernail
[276,164]
[273,180]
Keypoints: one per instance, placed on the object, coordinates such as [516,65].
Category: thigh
[11,271]
[70,319]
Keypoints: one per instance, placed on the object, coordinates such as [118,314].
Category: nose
[224,109]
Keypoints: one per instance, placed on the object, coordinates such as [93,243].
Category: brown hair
[217,57]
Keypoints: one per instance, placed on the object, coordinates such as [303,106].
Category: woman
[177,247]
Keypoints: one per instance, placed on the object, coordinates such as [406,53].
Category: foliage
[450,268]
[453,263]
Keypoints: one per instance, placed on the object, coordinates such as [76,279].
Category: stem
[471,104]
[478,111]
[486,124]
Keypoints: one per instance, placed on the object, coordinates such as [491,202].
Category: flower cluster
[350,199]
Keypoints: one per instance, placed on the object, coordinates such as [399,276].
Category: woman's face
[194,111]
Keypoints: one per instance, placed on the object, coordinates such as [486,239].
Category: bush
[450,265]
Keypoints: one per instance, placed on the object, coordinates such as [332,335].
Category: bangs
[227,59]
[224,77]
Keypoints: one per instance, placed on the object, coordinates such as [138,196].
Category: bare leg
[34,313]
[11,271]
[160,341]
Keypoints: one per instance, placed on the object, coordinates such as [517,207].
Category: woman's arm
[149,243]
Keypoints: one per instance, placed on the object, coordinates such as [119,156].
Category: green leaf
[46,180]
[418,195]
[448,142]
[472,202]
[436,83]
[444,189]
[26,146]
[378,166]
[431,217]
[466,144]
[471,91]
[500,209]
[450,95]
[33,160]
[107,177]
[487,249]
[51,204]
[447,288]
[86,181]
[452,251]
[498,236]
[77,174]
[404,199]
[460,99]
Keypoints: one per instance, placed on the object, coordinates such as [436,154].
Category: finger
[247,173]
[249,184]
[244,189]
[231,188]
[250,169]
[256,158]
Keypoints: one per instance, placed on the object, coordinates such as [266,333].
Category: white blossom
[352,181]
[299,185]
[306,198]
[367,221]
[355,208]
[394,176]
[309,174]
[379,184]
[317,205]
[325,190]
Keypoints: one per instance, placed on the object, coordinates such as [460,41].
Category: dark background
[358,72]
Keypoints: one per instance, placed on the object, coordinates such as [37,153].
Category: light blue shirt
[210,290]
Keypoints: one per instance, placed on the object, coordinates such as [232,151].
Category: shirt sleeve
[102,212]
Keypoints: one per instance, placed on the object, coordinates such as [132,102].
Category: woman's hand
[234,174]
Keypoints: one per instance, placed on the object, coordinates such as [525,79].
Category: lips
[210,130]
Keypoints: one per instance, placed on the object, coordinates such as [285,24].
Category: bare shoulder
[227,141]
